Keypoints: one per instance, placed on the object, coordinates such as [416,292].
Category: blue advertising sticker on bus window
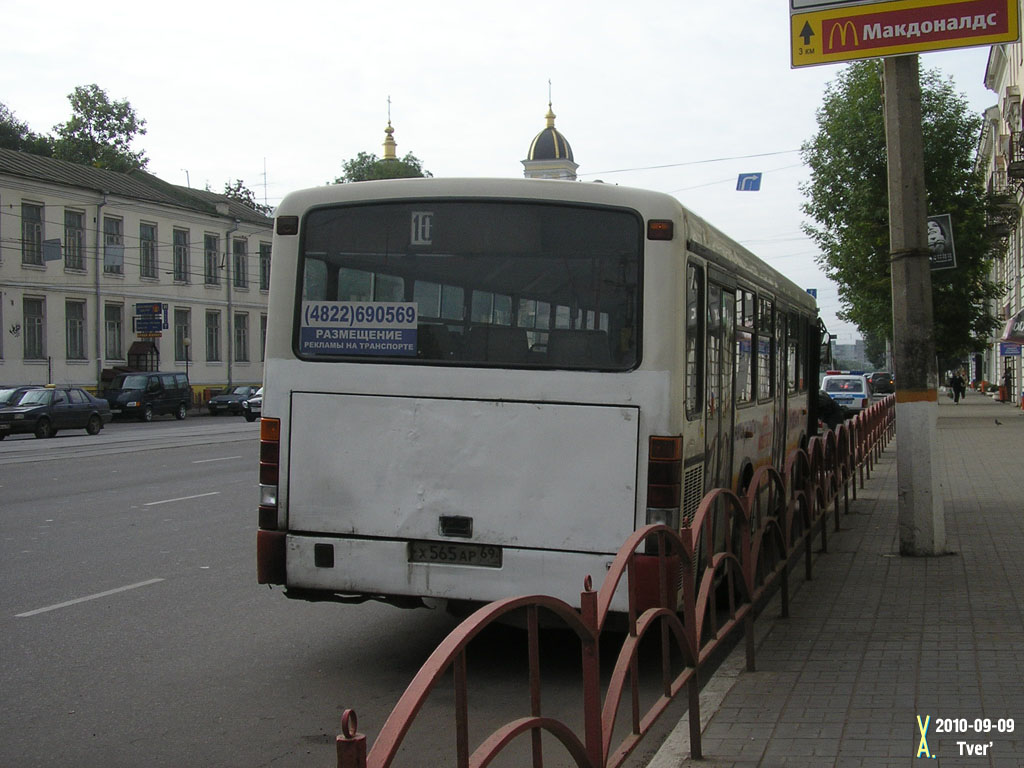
[358,328]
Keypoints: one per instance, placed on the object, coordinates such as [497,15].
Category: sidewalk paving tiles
[888,660]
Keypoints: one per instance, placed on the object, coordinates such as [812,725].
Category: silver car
[253,407]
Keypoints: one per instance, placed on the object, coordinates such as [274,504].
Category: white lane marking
[222,458]
[181,498]
[86,598]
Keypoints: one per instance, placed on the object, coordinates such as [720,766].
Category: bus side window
[745,346]
[695,316]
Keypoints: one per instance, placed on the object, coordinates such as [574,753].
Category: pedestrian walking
[959,387]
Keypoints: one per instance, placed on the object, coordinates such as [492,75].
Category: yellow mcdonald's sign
[894,27]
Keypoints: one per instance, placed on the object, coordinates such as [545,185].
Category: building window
[210,246]
[264,266]
[147,250]
[31,234]
[74,240]
[181,274]
[239,263]
[74,321]
[113,319]
[263,338]
[35,328]
[212,336]
[182,334]
[242,338]
[113,246]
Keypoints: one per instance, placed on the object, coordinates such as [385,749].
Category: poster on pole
[942,250]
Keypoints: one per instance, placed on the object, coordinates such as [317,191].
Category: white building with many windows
[101,271]
[1002,156]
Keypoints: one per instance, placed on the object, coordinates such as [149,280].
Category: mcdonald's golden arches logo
[845,28]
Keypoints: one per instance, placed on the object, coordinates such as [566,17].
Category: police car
[851,391]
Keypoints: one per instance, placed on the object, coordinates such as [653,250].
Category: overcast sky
[281,94]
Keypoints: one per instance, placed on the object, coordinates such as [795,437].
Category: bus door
[719,398]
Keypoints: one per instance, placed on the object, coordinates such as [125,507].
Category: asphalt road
[133,631]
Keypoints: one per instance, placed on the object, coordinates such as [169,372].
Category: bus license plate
[454,554]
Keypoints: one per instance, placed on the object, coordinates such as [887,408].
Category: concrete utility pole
[922,524]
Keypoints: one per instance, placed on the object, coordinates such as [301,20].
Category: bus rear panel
[462,383]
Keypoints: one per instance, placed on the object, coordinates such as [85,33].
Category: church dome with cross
[550,156]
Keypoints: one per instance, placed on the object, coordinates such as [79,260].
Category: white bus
[478,388]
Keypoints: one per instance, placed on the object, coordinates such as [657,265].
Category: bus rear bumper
[377,568]
[270,557]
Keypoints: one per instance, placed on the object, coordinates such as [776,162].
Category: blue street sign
[148,324]
[748,182]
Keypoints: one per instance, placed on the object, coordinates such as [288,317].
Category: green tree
[874,351]
[847,197]
[368,167]
[100,132]
[16,135]
[238,191]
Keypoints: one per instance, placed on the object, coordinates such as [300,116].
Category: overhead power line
[692,162]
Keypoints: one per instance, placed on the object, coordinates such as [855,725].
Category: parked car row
[45,410]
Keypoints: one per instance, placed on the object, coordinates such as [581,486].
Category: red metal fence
[704,583]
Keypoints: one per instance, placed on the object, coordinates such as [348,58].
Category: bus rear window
[495,283]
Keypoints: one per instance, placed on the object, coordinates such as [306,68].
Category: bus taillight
[664,480]
[270,541]
[270,458]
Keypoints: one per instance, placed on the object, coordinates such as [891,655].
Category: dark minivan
[145,395]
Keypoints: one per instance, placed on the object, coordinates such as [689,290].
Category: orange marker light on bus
[660,229]
[270,429]
[287,225]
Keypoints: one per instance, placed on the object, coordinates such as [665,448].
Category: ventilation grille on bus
[693,492]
